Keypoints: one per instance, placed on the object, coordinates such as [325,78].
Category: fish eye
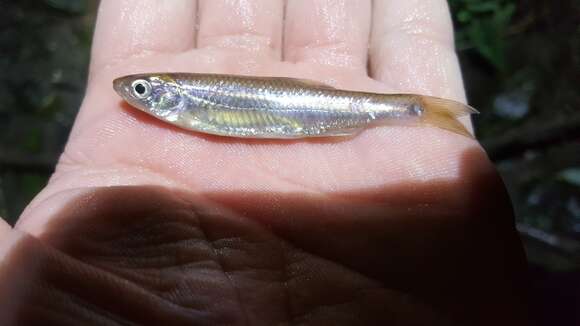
[141,88]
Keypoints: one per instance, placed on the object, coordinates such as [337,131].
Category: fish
[280,107]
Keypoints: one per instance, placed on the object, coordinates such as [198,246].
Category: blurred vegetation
[44,48]
[521,63]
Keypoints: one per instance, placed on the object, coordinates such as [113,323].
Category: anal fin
[339,132]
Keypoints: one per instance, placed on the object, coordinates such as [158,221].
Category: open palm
[400,225]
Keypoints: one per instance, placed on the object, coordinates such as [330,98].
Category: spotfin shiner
[279,107]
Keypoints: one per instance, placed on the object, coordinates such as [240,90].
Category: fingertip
[253,26]
[412,48]
[330,33]
[131,27]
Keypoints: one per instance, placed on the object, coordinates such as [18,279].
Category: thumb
[10,276]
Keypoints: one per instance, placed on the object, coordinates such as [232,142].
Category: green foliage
[31,183]
[483,25]
[521,63]
[45,52]
[32,142]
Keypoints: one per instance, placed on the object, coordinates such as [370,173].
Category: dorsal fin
[305,82]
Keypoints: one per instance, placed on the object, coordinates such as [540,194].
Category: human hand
[397,225]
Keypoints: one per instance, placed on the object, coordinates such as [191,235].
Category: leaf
[484,37]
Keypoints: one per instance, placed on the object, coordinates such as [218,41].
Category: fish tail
[443,113]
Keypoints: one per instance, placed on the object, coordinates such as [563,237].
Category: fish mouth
[121,86]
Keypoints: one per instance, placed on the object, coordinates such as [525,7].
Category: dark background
[521,64]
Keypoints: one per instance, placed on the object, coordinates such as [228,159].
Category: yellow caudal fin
[443,113]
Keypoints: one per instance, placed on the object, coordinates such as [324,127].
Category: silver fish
[277,107]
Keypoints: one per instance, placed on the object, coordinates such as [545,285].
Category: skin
[146,223]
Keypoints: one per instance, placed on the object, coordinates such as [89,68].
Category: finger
[248,25]
[412,48]
[131,27]
[5,228]
[328,32]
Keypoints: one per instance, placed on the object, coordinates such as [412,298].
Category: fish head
[157,94]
